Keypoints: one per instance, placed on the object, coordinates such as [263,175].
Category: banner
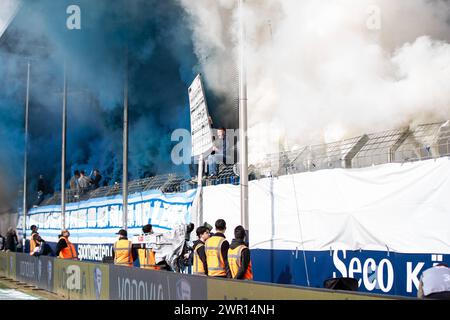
[383,225]
[97,220]
[219,289]
[127,283]
[77,280]
[8,264]
[201,133]
[35,270]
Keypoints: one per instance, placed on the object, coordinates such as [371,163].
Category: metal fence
[424,142]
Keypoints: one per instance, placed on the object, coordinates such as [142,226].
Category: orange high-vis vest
[68,252]
[197,266]
[235,262]
[214,258]
[122,253]
[147,259]
[32,243]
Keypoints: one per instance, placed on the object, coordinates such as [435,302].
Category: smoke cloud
[320,71]
[317,71]
[155,41]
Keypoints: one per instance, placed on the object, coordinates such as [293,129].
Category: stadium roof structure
[423,142]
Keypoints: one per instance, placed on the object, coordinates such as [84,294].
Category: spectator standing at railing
[41,190]
[84,181]
[218,153]
[96,180]
[74,180]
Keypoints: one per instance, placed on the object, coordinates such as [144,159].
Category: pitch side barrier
[81,280]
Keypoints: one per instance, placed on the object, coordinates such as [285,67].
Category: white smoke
[323,70]
[8,9]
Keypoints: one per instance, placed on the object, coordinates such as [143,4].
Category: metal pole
[63,153]
[243,154]
[200,191]
[25,162]
[125,152]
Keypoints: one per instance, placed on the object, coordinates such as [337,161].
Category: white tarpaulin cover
[396,207]
[392,207]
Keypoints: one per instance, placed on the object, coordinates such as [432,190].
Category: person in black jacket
[214,256]
[96,179]
[245,268]
[41,190]
[11,240]
[203,235]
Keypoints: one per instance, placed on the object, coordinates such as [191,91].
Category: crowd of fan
[80,183]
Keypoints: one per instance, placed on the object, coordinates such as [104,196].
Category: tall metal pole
[243,154]
[125,151]
[200,191]
[25,163]
[63,153]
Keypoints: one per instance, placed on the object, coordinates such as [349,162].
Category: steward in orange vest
[147,255]
[123,252]
[147,259]
[217,252]
[33,238]
[65,249]
[199,265]
[239,256]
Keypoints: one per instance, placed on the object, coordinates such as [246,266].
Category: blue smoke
[155,37]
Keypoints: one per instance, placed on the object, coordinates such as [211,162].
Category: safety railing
[427,141]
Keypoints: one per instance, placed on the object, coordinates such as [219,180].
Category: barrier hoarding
[8,264]
[94,281]
[35,270]
[219,289]
[128,283]
[81,280]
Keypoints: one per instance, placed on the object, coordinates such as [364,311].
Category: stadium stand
[424,142]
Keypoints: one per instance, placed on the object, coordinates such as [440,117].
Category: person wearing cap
[123,252]
[64,248]
[33,238]
[147,255]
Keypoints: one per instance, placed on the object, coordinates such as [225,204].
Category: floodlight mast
[243,152]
